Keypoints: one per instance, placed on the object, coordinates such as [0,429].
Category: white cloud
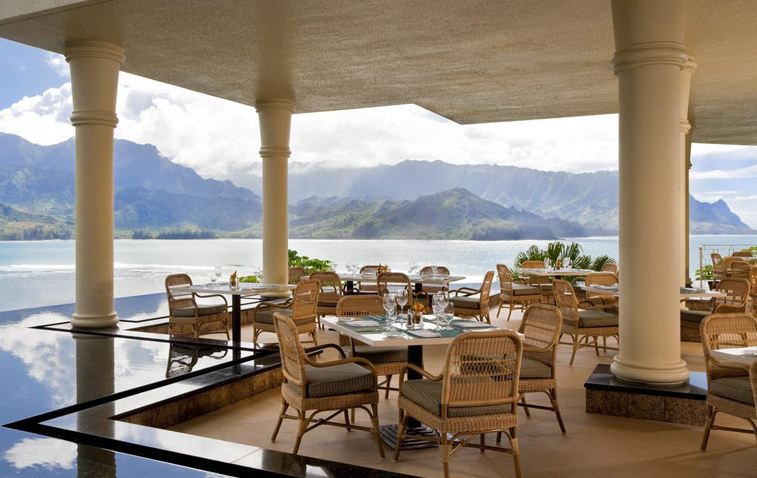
[41,119]
[748,172]
[58,64]
[49,453]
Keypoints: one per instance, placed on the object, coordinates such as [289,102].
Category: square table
[375,337]
[417,279]
[236,293]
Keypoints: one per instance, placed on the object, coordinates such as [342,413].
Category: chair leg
[400,433]
[555,405]
[525,405]
[516,451]
[315,340]
[284,407]
[388,384]
[444,449]
[483,443]
[499,438]
[347,419]
[510,312]
[499,309]
[596,345]
[575,348]
[708,426]
[604,343]
[377,428]
[301,430]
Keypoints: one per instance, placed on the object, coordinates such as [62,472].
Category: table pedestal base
[389,435]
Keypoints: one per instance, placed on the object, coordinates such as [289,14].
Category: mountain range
[155,197]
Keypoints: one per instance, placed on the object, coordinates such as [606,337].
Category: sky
[219,138]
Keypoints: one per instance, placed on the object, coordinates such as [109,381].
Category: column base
[670,374]
[92,321]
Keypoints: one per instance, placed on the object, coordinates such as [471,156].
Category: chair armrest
[467,291]
[419,370]
[274,305]
[538,349]
[730,365]
[356,360]
[206,296]
[318,348]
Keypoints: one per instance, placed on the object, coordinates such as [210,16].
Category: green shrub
[705,273]
[309,264]
[563,252]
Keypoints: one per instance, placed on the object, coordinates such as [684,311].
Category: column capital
[94,49]
[274,104]
[690,66]
[684,126]
[274,152]
[650,53]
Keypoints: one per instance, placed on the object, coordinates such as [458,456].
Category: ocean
[40,273]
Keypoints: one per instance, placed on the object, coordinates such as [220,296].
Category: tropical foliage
[309,264]
[705,273]
[572,252]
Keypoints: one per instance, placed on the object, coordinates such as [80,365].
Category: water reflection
[183,357]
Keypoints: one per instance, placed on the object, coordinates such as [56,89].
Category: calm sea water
[37,273]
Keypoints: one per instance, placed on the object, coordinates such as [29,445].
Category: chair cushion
[530,368]
[523,289]
[379,355]
[695,316]
[596,318]
[338,380]
[735,388]
[264,315]
[202,310]
[463,302]
[428,394]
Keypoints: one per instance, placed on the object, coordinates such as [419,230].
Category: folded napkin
[691,290]
[470,324]
[605,287]
[361,323]
[423,333]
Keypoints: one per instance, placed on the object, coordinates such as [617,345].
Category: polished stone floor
[595,445]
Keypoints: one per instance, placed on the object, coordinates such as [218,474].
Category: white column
[275,118]
[94,82]
[648,60]
[685,128]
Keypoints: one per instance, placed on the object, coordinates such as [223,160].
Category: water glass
[449,315]
[216,273]
[401,297]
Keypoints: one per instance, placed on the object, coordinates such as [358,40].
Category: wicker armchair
[743,254]
[336,386]
[718,267]
[542,327]
[475,394]
[296,274]
[583,325]
[731,386]
[474,302]
[512,293]
[387,361]
[302,309]
[392,281]
[610,267]
[434,288]
[737,295]
[543,283]
[369,286]
[740,270]
[599,301]
[184,311]
[331,292]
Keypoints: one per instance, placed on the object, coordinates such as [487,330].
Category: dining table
[371,330]
[350,278]
[244,289]
[566,272]
[685,293]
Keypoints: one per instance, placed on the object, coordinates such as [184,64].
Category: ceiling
[471,61]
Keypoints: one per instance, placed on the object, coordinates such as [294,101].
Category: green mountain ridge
[155,197]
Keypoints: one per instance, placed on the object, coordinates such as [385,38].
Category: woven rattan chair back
[176,292]
[743,254]
[601,278]
[305,301]
[426,271]
[485,291]
[290,349]
[716,258]
[330,282]
[359,305]
[736,292]
[369,269]
[541,327]
[505,276]
[740,270]
[610,267]
[392,281]
[722,331]
[482,369]
[532,264]
[296,274]
[565,299]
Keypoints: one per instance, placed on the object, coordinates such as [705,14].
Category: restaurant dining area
[545,363]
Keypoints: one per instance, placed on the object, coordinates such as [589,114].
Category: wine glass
[449,314]
[401,298]
[390,308]
[434,271]
[216,274]
[412,269]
